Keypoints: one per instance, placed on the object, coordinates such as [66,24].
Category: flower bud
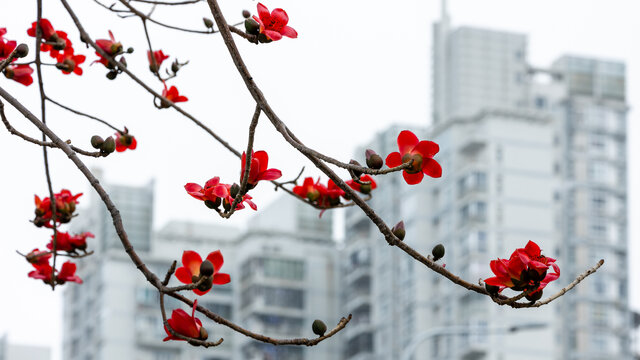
[355,173]
[123,61]
[175,66]
[399,231]
[252,27]
[111,75]
[59,45]
[227,206]
[207,22]
[108,146]
[535,296]
[365,189]
[438,252]
[235,189]
[319,327]
[206,268]
[130,50]
[374,160]
[96,141]
[22,50]
[204,335]
[246,14]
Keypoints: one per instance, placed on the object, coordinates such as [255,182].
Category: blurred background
[532,103]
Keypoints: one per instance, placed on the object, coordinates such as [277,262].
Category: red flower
[185,325]
[258,169]
[38,257]
[274,25]
[365,189]
[526,269]
[421,152]
[68,63]
[125,141]
[68,273]
[211,191]
[111,47]
[20,73]
[323,196]
[192,263]
[65,206]
[159,57]
[68,243]
[6,47]
[308,190]
[171,95]
[58,40]
[43,271]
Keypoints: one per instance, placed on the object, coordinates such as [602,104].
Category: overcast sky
[357,67]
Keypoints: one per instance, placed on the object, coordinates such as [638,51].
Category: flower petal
[263,13]
[216,259]
[273,35]
[426,148]
[412,179]
[288,31]
[271,174]
[279,19]
[407,141]
[431,168]
[532,249]
[192,261]
[184,275]
[263,158]
[221,279]
[394,159]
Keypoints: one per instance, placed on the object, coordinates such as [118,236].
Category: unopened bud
[130,50]
[246,14]
[355,173]
[108,146]
[319,327]
[235,189]
[374,160]
[399,231]
[204,335]
[96,141]
[252,27]
[438,252]
[123,61]
[206,268]
[207,22]
[22,50]
[111,75]
[59,45]
[175,66]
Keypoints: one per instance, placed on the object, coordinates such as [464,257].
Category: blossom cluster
[65,205]
[525,270]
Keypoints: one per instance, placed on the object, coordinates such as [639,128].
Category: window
[540,102]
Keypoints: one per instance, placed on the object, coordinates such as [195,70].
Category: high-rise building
[10,351]
[282,271]
[528,154]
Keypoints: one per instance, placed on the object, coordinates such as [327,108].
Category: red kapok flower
[43,271]
[68,273]
[274,25]
[185,325]
[6,47]
[20,73]
[159,57]
[69,63]
[190,272]
[111,47]
[125,141]
[526,269]
[54,41]
[421,152]
[38,257]
[365,189]
[258,170]
[172,95]
[212,190]
[69,243]
[65,206]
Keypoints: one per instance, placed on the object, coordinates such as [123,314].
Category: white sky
[356,67]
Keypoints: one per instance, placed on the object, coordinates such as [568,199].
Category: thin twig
[83,114]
